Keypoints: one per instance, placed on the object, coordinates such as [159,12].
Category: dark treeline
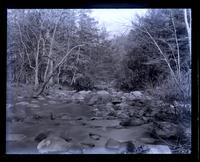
[66,47]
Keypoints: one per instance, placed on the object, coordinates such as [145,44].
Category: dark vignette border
[104,4]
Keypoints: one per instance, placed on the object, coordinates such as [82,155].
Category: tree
[188,23]
[159,39]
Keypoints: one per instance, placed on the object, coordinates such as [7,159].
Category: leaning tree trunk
[54,70]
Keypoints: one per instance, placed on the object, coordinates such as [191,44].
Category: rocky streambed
[90,122]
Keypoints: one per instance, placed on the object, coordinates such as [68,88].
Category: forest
[74,89]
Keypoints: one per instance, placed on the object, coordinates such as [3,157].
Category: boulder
[126,122]
[127,147]
[129,97]
[136,94]
[137,122]
[77,97]
[120,147]
[101,97]
[165,130]
[111,113]
[52,102]
[53,144]
[112,144]
[116,100]
[109,107]
[34,101]
[121,114]
[102,93]
[122,106]
[93,100]
[132,122]
[94,136]
[41,98]
[75,149]
[158,149]
[84,93]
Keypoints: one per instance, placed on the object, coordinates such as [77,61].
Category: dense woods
[67,48]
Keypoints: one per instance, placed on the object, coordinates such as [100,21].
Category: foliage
[156,51]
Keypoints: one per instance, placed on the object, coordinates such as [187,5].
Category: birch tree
[188,24]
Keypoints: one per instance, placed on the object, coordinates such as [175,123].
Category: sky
[116,21]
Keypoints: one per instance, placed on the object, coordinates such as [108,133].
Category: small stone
[88,145]
[79,118]
[94,136]
[65,117]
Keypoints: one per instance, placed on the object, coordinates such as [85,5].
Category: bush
[168,90]
[83,83]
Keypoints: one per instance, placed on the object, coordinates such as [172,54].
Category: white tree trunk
[37,65]
[51,72]
[49,62]
[188,27]
[177,47]
[58,77]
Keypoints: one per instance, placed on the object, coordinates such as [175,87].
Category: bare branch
[26,52]
[177,46]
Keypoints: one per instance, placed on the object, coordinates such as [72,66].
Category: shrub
[83,83]
[169,90]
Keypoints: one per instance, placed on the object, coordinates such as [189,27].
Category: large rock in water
[137,94]
[165,129]
[112,144]
[158,149]
[116,100]
[53,144]
[132,122]
[101,97]
[78,97]
[121,147]
[84,93]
